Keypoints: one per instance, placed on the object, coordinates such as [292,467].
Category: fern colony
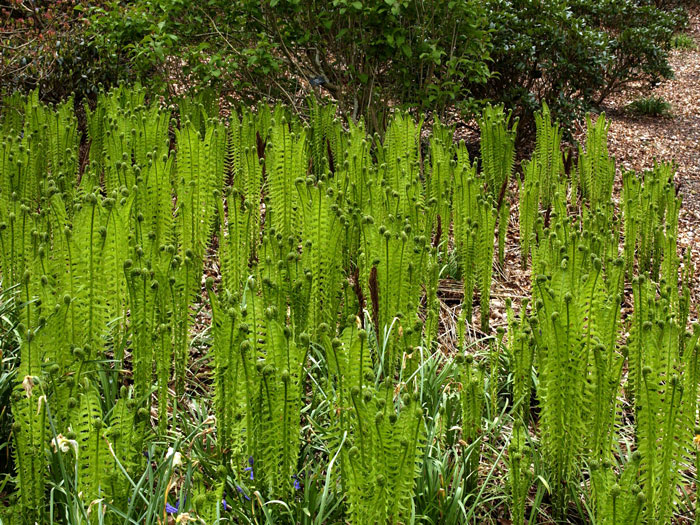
[325,377]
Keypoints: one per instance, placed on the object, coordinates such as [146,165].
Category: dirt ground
[636,141]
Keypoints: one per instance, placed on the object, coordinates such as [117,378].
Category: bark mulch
[637,141]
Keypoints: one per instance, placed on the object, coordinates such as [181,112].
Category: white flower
[183,518]
[64,444]
[177,457]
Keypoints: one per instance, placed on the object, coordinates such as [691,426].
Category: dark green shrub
[45,44]
[574,54]
[368,55]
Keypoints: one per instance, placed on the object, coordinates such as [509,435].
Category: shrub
[45,44]
[365,54]
[575,54]
[368,55]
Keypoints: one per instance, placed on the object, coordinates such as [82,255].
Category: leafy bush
[574,54]
[46,44]
[368,55]
[365,54]
[653,106]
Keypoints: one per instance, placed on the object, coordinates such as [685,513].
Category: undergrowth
[653,106]
[298,264]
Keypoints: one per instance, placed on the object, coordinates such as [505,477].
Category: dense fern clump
[245,312]
[498,161]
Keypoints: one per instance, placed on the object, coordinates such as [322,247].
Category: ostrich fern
[497,163]
[329,245]
[596,169]
[548,156]
[466,225]
[385,436]
[533,175]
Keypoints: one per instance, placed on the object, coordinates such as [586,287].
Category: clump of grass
[653,106]
[683,41]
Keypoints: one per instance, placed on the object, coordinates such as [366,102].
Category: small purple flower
[224,505]
[172,510]
[297,486]
[250,468]
[239,489]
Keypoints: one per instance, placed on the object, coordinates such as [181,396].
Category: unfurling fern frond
[618,498]
[548,156]
[382,455]
[230,376]
[466,225]
[596,169]
[95,463]
[528,209]
[484,248]
[322,233]
[472,398]
[30,442]
[497,163]
[285,162]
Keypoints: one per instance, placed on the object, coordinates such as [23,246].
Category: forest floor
[636,141]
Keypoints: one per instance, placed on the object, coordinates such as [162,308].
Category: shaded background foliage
[368,55]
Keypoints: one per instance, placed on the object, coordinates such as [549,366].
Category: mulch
[636,142]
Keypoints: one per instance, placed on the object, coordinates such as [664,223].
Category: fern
[576,335]
[94,460]
[30,439]
[485,247]
[533,173]
[650,206]
[321,231]
[200,172]
[519,473]
[665,417]
[382,458]
[596,170]
[618,497]
[439,184]
[548,156]
[330,246]
[285,163]
[497,163]
[466,224]
[472,397]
